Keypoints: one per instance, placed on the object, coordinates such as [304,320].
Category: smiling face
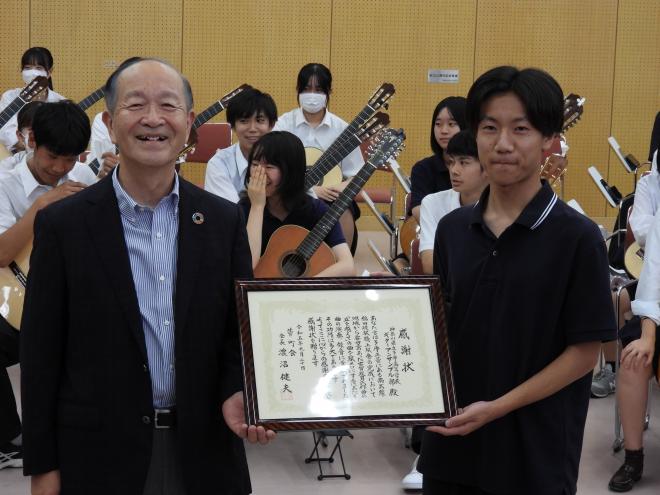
[510,148]
[151,121]
[445,128]
[273,175]
[249,129]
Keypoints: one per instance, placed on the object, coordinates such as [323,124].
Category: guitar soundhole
[293,265]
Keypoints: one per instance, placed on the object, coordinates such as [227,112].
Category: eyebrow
[163,94]
[493,119]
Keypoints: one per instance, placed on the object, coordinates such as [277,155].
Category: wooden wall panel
[398,42]
[263,43]
[88,40]
[636,84]
[575,42]
[14,33]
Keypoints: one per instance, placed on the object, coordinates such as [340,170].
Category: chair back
[210,138]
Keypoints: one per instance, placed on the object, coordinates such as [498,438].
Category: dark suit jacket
[85,381]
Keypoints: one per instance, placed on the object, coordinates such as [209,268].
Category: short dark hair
[25,115]
[38,55]
[318,71]
[455,105]
[250,102]
[110,88]
[286,152]
[62,127]
[538,91]
[463,144]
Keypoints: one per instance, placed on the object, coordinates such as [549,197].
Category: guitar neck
[95,164]
[208,114]
[315,237]
[340,148]
[91,99]
[11,110]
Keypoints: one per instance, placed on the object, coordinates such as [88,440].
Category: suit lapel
[190,248]
[107,232]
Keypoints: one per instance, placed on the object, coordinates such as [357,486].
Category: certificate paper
[328,354]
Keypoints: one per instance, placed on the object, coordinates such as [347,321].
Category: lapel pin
[198,218]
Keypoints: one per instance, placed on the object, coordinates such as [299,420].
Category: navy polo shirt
[305,215]
[514,304]
[428,176]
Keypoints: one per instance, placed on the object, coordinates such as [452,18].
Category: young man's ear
[548,140]
[107,120]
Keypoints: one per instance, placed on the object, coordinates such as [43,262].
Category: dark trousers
[437,487]
[10,423]
[165,475]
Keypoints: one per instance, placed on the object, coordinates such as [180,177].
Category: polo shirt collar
[29,182]
[128,207]
[532,216]
[299,118]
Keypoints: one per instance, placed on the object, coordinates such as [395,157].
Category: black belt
[164,418]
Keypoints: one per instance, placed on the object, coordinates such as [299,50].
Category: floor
[377,459]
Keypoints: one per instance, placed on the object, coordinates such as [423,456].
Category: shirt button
[145,368]
[167,322]
[161,278]
[146,420]
[495,253]
[159,235]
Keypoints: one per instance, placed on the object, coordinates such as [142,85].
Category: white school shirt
[434,207]
[10,162]
[321,136]
[19,189]
[225,173]
[99,133]
[647,203]
[8,132]
[647,296]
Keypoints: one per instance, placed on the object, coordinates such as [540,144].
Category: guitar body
[633,260]
[12,290]
[283,243]
[333,177]
[4,152]
[407,234]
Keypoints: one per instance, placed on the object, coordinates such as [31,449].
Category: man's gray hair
[110,88]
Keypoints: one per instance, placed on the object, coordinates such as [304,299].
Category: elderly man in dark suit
[129,348]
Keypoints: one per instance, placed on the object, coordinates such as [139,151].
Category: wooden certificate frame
[325,353]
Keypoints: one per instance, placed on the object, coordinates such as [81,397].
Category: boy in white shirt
[468,180]
[61,131]
[251,114]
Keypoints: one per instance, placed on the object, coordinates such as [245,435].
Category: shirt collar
[532,216]
[241,161]
[28,180]
[299,118]
[128,207]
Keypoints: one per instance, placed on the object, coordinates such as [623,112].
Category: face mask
[312,102]
[29,74]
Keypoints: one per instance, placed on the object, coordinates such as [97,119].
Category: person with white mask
[36,61]
[317,127]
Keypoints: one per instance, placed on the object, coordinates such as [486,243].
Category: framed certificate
[344,353]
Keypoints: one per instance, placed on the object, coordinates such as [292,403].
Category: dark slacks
[10,423]
[164,476]
[437,487]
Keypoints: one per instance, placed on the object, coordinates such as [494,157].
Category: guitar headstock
[224,101]
[554,168]
[35,87]
[381,96]
[372,126]
[386,145]
[573,109]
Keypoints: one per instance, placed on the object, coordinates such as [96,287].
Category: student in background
[251,114]
[25,143]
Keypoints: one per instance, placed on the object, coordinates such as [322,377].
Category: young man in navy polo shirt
[526,282]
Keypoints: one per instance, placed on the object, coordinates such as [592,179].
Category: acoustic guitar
[294,251]
[334,176]
[90,100]
[633,260]
[349,139]
[207,114]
